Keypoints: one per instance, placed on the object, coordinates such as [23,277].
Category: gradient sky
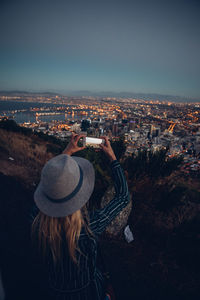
[113,45]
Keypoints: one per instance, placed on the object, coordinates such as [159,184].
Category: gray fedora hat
[66,184]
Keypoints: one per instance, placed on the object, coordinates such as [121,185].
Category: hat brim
[53,209]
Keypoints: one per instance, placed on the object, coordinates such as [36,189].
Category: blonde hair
[51,230]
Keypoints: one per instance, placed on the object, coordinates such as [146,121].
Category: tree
[151,164]
[119,147]
[85,124]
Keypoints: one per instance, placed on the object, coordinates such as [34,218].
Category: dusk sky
[121,46]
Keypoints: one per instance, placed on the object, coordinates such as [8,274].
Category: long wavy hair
[49,232]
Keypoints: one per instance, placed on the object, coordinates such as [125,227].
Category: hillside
[163,260]
[23,154]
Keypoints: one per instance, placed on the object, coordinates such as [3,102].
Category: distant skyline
[103,94]
[113,45]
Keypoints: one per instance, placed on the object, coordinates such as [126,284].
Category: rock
[118,224]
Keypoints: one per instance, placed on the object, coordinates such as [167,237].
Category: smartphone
[93,142]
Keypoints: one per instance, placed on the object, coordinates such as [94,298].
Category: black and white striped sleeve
[101,218]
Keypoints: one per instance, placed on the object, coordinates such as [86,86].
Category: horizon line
[95,93]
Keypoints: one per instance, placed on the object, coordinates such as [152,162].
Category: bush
[152,164]
[119,148]
[55,149]
[11,125]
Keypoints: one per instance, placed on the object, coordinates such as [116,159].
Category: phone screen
[91,140]
[94,142]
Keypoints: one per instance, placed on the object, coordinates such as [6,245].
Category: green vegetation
[55,149]
[11,125]
[170,195]
[52,139]
[151,164]
[85,124]
[119,147]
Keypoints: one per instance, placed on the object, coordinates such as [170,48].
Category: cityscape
[142,124]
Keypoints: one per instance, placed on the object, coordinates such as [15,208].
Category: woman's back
[67,279]
[65,239]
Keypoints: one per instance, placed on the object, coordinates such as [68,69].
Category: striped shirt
[68,281]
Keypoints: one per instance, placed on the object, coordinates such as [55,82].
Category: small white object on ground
[11,158]
[128,234]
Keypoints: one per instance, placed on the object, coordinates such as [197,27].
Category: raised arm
[101,218]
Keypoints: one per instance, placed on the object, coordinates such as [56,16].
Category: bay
[19,105]
[8,108]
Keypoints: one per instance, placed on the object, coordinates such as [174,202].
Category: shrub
[152,164]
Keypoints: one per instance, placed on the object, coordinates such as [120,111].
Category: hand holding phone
[73,146]
[106,147]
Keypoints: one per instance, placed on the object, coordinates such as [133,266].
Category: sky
[143,46]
